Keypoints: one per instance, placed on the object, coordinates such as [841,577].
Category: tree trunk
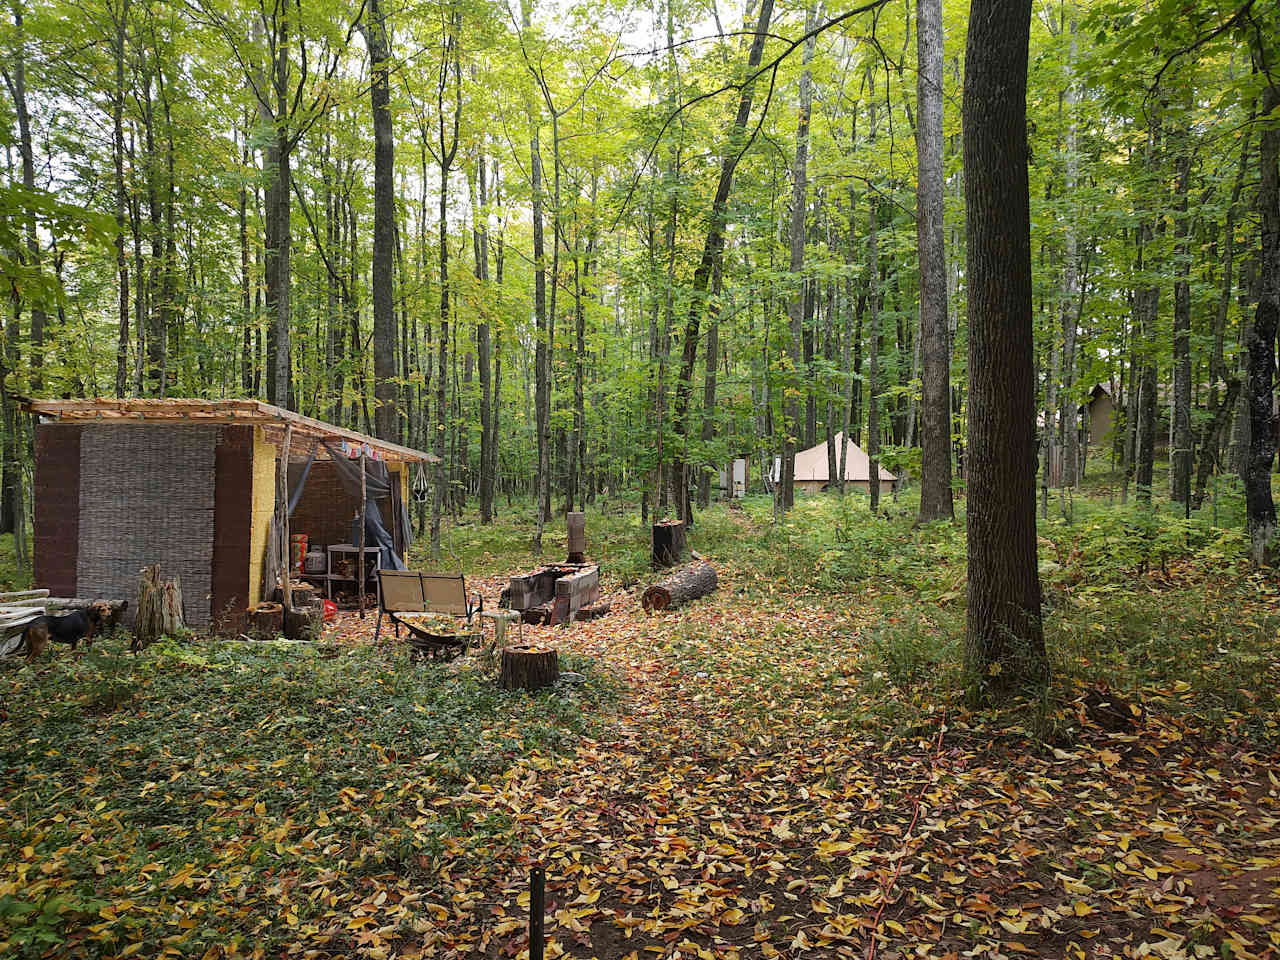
[1070,476]
[713,246]
[796,303]
[873,306]
[159,608]
[377,39]
[1181,453]
[117,151]
[483,349]
[689,583]
[1004,647]
[1260,506]
[935,395]
[18,90]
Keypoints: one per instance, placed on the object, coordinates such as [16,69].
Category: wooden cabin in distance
[191,485]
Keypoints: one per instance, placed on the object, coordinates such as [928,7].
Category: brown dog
[70,628]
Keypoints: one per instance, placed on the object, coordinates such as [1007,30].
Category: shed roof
[195,411]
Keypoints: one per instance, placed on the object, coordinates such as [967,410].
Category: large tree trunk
[1181,454]
[377,39]
[1260,506]
[935,396]
[796,304]
[117,152]
[17,83]
[873,307]
[542,355]
[1070,476]
[483,348]
[1004,647]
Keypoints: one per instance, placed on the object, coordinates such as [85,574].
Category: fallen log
[687,583]
[528,668]
[594,611]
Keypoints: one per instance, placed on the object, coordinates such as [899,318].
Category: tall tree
[1004,647]
[1260,506]
[377,39]
[935,347]
[796,236]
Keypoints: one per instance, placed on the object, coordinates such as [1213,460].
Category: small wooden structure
[554,594]
[669,543]
[192,485]
[688,583]
[528,668]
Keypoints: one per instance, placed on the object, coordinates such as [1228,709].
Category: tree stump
[668,543]
[688,583]
[266,621]
[159,608]
[528,668]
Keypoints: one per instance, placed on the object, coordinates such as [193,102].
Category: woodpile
[669,543]
[528,668]
[688,583]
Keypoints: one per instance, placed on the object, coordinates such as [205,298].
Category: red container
[330,610]
[297,550]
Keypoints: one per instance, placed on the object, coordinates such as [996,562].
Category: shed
[812,473]
[191,485]
[1102,414]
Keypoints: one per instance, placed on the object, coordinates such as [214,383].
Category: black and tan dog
[69,628]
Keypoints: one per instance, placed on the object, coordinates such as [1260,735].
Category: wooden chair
[403,592]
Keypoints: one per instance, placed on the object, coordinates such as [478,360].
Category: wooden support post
[282,497]
[360,554]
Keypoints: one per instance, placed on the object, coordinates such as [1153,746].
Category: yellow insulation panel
[264,505]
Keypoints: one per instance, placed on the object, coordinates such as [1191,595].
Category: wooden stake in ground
[159,608]
[528,668]
[688,583]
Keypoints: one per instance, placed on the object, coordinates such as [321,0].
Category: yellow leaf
[1081,908]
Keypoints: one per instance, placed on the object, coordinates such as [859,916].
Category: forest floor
[783,768]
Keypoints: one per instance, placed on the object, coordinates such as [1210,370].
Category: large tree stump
[159,608]
[528,668]
[668,543]
[688,583]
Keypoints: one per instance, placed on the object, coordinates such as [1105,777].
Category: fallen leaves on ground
[733,802]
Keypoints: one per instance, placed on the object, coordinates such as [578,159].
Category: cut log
[577,526]
[528,668]
[668,543]
[159,608]
[687,583]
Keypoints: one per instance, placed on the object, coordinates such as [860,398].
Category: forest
[947,329]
